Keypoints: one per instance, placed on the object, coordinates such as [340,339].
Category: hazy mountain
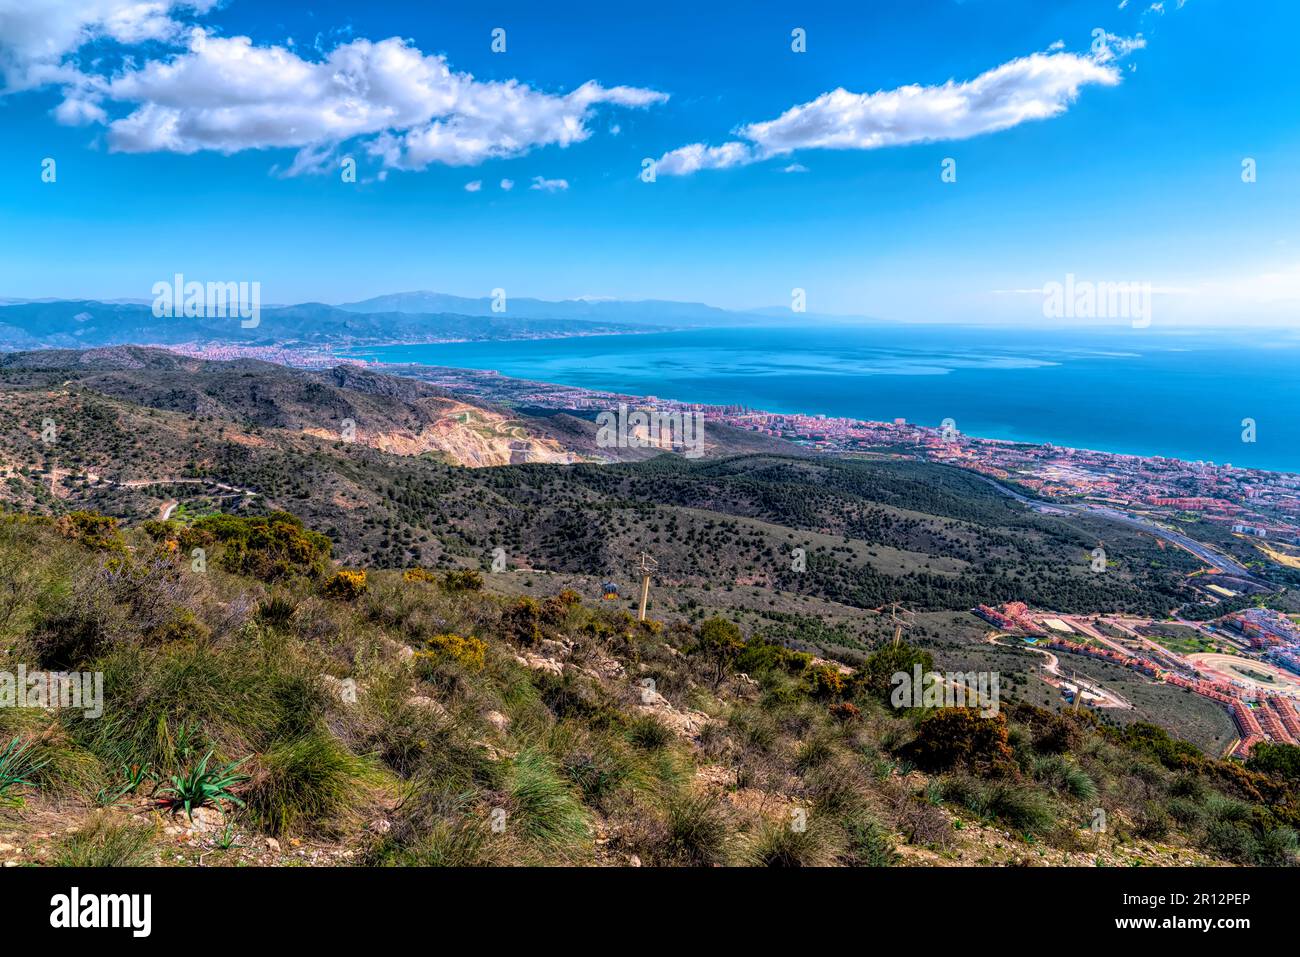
[647,311]
[79,323]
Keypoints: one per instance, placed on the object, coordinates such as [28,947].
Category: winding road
[1217,560]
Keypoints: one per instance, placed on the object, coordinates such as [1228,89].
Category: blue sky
[220,157]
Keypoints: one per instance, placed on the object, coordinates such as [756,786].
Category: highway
[1214,559]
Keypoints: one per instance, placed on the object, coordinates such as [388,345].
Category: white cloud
[36,36]
[795,168]
[227,94]
[473,186]
[495,120]
[549,185]
[697,156]
[1108,47]
[1034,87]
[77,111]
[507,184]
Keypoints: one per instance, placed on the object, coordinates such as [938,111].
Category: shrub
[759,657]
[1278,760]
[1187,812]
[521,621]
[277,611]
[648,732]
[1063,774]
[468,652]
[554,611]
[463,580]
[824,682]
[543,808]
[718,642]
[844,712]
[94,531]
[952,738]
[921,823]
[695,832]
[807,843]
[182,626]
[1152,821]
[867,843]
[345,585]
[1231,839]
[304,783]
[812,753]
[875,677]
[1022,808]
[419,575]
[267,547]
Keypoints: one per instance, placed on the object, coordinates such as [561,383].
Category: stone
[424,701]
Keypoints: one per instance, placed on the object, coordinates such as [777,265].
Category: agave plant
[201,787]
[16,763]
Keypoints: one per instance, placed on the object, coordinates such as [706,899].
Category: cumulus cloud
[507,184]
[78,111]
[549,185]
[1034,87]
[473,186]
[227,94]
[689,159]
[36,36]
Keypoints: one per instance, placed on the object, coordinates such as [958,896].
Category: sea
[1180,393]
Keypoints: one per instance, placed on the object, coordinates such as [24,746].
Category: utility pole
[645,566]
[900,622]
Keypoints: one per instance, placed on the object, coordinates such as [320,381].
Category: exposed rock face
[467,435]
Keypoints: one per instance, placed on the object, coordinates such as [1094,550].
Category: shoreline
[392,368]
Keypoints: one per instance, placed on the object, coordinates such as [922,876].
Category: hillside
[388,652]
[317,717]
[137,430]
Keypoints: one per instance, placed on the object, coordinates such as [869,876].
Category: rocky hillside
[269,708]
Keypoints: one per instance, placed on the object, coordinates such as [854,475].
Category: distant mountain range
[85,323]
[398,317]
[642,312]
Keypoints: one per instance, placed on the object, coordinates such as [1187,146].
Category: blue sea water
[1181,394]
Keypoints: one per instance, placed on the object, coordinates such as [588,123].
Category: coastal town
[1247,659]
[1247,522]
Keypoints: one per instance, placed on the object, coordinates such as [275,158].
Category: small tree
[718,642]
[875,677]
